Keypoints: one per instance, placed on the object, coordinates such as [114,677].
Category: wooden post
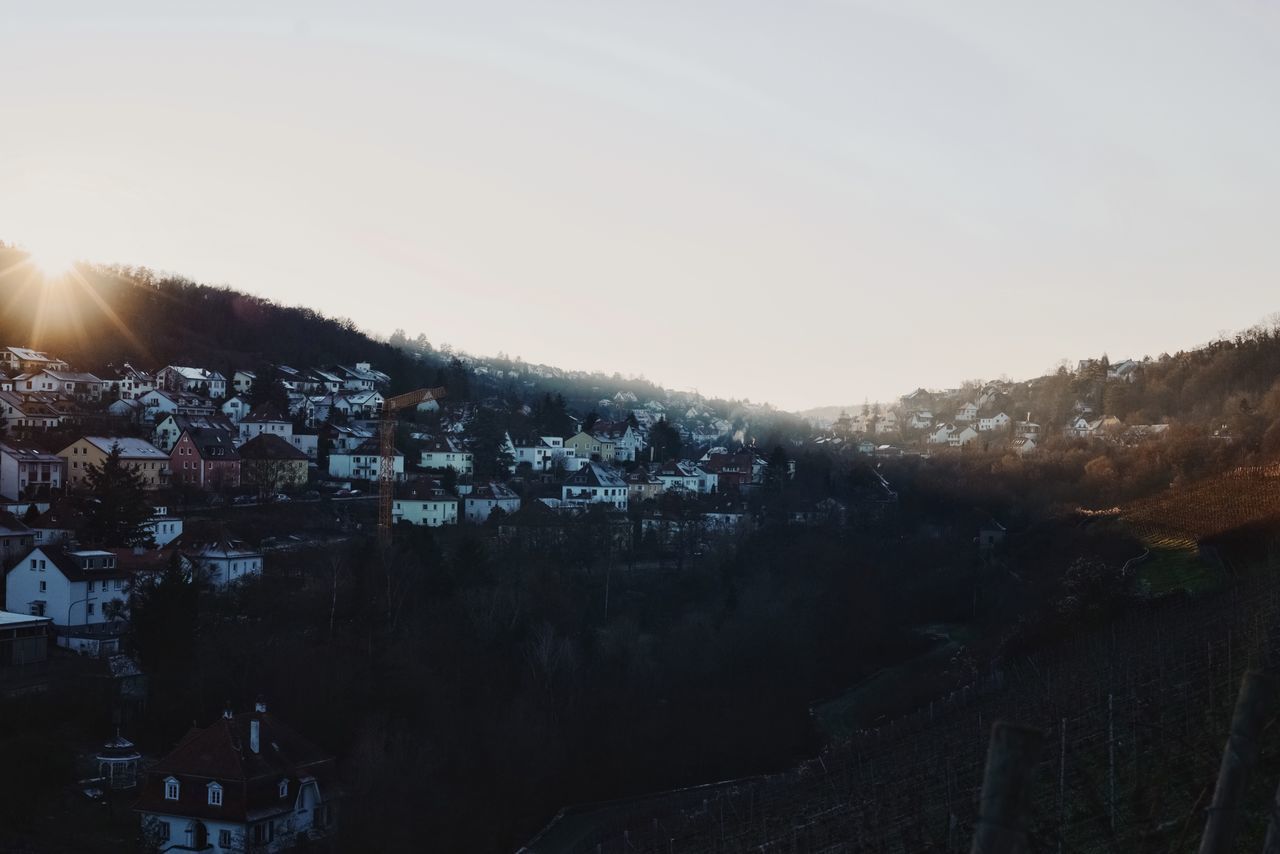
[1006,789]
[1257,696]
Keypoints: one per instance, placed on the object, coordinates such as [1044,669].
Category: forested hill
[110,315]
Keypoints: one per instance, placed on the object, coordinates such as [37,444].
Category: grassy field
[1175,566]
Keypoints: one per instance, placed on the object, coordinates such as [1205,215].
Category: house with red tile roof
[246,782]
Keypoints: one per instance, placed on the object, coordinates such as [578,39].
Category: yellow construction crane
[391,407]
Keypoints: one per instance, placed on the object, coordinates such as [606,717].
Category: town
[219,467]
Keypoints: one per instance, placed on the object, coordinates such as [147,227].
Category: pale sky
[801,202]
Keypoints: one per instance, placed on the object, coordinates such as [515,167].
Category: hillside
[110,315]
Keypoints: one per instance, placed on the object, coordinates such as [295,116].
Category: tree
[117,512]
[665,441]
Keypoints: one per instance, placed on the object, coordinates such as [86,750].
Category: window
[43,586]
[170,789]
[162,827]
[88,609]
[263,833]
[224,838]
[284,788]
[215,795]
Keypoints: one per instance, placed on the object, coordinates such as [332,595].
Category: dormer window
[215,794]
[171,788]
[284,788]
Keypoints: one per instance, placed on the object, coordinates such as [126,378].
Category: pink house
[205,457]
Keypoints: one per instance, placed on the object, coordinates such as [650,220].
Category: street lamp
[86,600]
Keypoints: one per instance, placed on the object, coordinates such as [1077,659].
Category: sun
[53,262]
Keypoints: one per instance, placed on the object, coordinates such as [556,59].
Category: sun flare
[53,262]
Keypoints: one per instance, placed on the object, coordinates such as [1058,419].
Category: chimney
[254,733]
[227,714]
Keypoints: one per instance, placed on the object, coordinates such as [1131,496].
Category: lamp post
[86,600]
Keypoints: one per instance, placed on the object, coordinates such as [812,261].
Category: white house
[223,562]
[26,470]
[198,381]
[481,501]
[265,419]
[235,408]
[999,421]
[425,503]
[242,381]
[447,453]
[941,434]
[72,588]
[157,402]
[594,484]
[921,420]
[244,783]
[967,412]
[361,463]
[164,528]
[131,383]
[18,360]
[961,436]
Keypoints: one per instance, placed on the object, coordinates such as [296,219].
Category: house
[235,408]
[425,503]
[447,453]
[131,383]
[1081,427]
[625,440]
[961,436]
[28,473]
[16,539]
[1125,371]
[148,461]
[1023,446]
[157,403]
[244,783]
[595,484]
[198,381]
[921,419]
[361,377]
[28,414]
[164,529]
[540,453]
[487,497]
[129,411]
[887,423]
[242,382]
[169,429]
[999,421]
[224,561]
[641,485]
[267,418]
[344,438]
[967,412]
[271,463]
[589,446]
[941,434]
[866,446]
[205,457]
[18,360]
[687,476]
[990,535]
[80,386]
[361,463]
[73,588]
[57,525]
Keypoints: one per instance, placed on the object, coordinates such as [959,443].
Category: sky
[804,203]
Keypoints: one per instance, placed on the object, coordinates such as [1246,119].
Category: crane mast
[391,408]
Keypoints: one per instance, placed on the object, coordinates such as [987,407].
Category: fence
[1133,715]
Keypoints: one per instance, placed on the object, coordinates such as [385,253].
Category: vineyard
[1136,715]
